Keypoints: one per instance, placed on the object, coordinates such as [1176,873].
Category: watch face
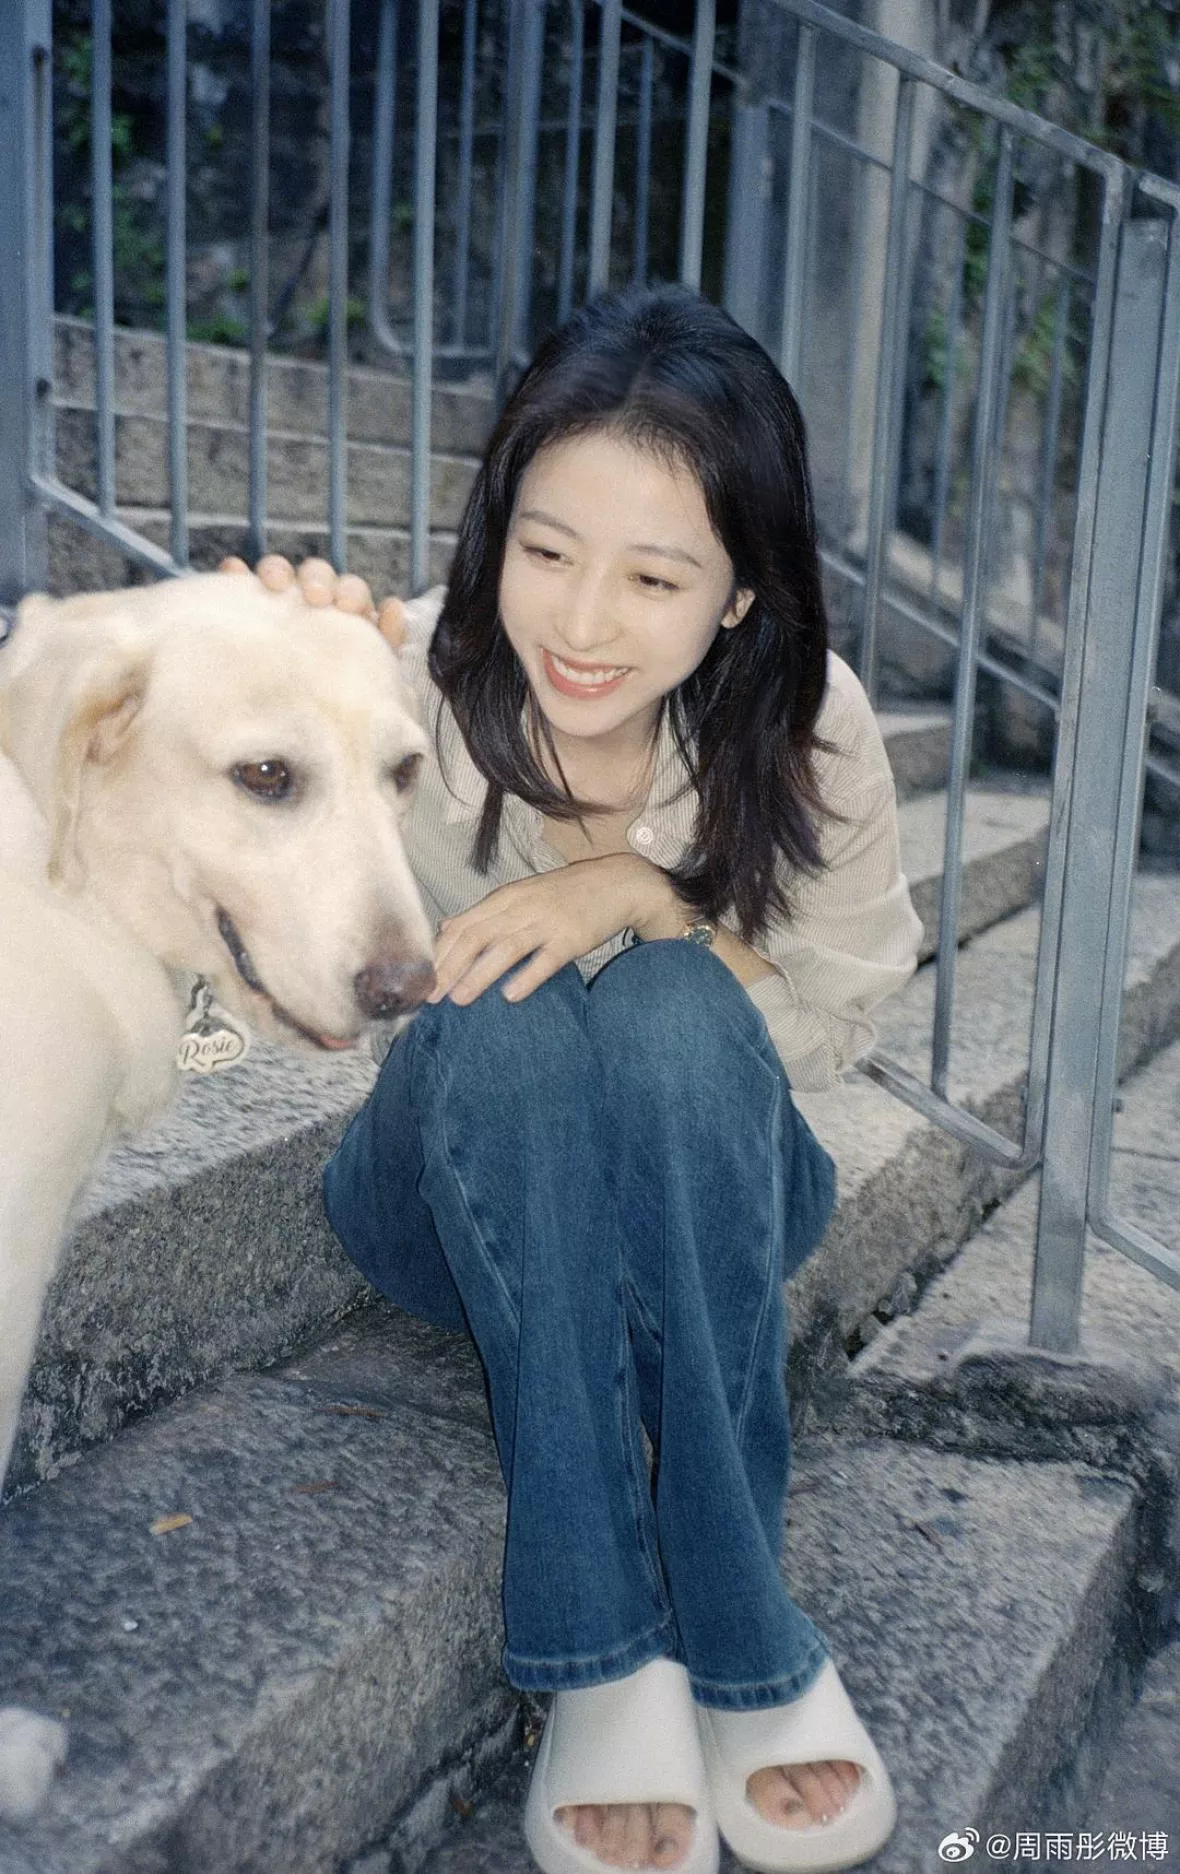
[701,931]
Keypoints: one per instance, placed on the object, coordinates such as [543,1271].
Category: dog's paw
[32,1750]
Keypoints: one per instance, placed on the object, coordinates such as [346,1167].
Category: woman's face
[613,587]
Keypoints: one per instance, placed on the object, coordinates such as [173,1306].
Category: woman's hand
[550,918]
[321,585]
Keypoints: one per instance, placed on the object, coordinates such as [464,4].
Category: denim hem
[759,1694]
[565,1675]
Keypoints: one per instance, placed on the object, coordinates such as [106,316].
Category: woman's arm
[659,912]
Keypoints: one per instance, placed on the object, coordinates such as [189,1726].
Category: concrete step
[313,1652]
[909,1193]
[1005,836]
[972,1607]
[995,1696]
[78,562]
[305,1676]
[203,1245]
[1140,1791]
[919,744]
[218,391]
[378,485]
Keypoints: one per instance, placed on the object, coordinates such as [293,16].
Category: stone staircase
[217,384]
[304,1678]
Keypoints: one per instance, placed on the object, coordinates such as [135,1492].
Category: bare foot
[631,1834]
[797,1795]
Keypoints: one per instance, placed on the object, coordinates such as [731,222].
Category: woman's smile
[581,680]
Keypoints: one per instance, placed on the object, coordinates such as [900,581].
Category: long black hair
[667,371]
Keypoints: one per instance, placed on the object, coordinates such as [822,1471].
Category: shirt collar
[670,807]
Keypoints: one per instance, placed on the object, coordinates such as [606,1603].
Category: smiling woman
[584,1150]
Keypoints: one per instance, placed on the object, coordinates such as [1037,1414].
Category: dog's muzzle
[393,986]
[387,987]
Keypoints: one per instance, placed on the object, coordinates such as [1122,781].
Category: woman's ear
[737,608]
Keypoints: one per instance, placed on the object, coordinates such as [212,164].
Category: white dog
[196,778]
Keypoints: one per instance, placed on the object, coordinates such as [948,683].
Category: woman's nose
[586,623]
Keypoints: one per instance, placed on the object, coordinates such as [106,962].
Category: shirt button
[643,836]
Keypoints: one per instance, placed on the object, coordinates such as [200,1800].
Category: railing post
[748,212]
[1111,702]
[26,291]
[526,55]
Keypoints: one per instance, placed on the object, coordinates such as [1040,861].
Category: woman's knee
[672,1006]
[496,1036]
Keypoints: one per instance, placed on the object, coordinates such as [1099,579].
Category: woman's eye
[549,555]
[266,780]
[651,583]
[406,772]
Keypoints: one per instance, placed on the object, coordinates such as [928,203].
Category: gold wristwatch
[701,930]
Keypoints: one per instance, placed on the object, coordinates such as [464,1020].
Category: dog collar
[210,1043]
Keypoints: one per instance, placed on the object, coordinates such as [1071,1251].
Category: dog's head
[226,769]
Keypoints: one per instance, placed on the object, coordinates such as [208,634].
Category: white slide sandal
[631,1740]
[820,1727]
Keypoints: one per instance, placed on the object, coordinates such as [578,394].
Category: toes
[776,1798]
[795,1795]
[630,1835]
[671,1830]
[811,1787]
[232,564]
[610,1845]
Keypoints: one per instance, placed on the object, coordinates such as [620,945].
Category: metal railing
[562,226]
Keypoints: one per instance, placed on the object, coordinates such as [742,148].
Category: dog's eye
[406,772]
[267,780]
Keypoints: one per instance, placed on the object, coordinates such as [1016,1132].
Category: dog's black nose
[393,986]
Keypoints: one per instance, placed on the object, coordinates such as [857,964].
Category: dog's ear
[69,698]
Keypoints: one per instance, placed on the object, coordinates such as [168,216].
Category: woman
[660,845]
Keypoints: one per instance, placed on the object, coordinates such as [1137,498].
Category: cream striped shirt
[853,935]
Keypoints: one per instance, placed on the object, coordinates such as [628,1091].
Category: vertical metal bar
[794,264]
[259,271]
[339,56]
[503,135]
[860,180]
[747,210]
[974,601]
[524,99]
[696,153]
[1157,535]
[176,289]
[890,377]
[942,472]
[573,151]
[103,235]
[1049,461]
[642,161]
[26,291]
[533,56]
[610,27]
[466,161]
[425,157]
[381,201]
[1089,468]
[1112,664]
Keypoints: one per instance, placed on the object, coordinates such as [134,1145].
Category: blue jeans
[606,1185]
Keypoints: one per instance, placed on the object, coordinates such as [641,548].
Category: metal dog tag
[210,1043]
